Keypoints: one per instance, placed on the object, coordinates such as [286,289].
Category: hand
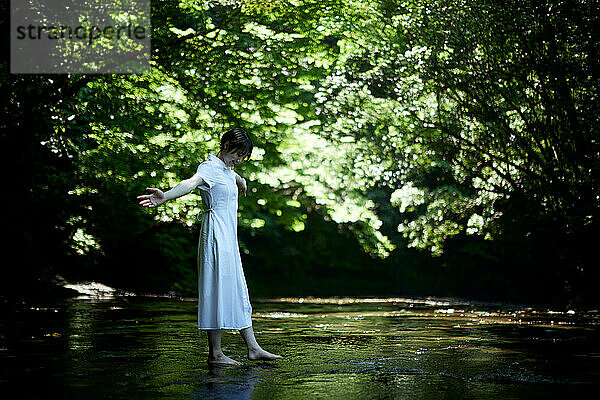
[243,187]
[156,198]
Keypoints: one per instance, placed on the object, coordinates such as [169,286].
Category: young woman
[223,300]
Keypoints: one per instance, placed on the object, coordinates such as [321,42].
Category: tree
[486,116]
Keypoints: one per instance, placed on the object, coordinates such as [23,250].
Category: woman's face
[233,157]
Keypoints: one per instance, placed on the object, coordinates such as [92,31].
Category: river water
[133,347]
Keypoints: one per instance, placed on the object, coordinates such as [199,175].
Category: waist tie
[203,212]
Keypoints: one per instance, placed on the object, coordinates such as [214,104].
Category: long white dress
[223,300]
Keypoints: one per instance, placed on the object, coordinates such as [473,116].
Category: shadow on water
[149,347]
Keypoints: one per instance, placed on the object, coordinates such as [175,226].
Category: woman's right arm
[184,187]
[157,197]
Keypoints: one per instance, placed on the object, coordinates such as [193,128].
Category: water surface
[149,348]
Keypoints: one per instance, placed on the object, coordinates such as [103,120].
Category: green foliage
[470,127]
[98,141]
[484,117]
[468,103]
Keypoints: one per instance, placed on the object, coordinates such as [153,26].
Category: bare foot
[261,354]
[222,359]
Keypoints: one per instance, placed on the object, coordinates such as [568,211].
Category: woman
[223,300]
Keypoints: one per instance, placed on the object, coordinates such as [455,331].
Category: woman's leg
[255,352]
[215,353]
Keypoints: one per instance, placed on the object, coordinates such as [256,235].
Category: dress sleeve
[205,171]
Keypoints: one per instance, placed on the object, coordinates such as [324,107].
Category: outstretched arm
[157,197]
[241,183]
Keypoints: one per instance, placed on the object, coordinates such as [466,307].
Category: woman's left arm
[241,183]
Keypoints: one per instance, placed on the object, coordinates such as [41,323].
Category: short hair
[237,139]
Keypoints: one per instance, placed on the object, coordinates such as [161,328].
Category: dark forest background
[402,148]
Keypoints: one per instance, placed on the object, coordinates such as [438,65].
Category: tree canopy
[406,136]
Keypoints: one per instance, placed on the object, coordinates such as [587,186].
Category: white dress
[223,300]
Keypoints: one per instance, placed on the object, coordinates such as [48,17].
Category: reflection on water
[149,347]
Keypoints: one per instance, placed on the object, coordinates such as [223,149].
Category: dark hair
[237,139]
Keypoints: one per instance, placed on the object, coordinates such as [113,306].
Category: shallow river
[134,347]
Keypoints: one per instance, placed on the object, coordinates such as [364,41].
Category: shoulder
[207,171]
[205,165]
[237,176]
